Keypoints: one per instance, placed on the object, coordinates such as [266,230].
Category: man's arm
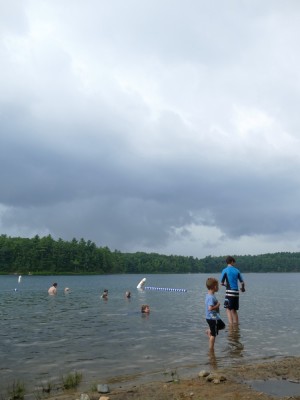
[243,287]
[224,279]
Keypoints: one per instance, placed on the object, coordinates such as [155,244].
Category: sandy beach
[236,386]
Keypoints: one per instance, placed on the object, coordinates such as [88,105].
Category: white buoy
[141,284]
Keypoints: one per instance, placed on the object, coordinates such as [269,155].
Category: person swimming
[145,309]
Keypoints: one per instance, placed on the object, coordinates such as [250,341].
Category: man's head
[230,260]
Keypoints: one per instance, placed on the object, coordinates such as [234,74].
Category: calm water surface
[44,337]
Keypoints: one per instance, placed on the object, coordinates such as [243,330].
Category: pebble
[103,398]
[215,378]
[84,396]
[102,388]
[203,373]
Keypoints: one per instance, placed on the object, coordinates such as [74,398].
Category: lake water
[44,337]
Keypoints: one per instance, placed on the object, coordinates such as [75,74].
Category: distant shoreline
[135,273]
[45,255]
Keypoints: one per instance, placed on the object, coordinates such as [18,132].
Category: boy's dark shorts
[215,325]
[232,303]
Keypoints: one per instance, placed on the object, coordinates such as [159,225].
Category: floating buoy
[164,289]
[141,284]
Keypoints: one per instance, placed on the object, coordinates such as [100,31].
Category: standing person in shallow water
[52,290]
[212,306]
[230,278]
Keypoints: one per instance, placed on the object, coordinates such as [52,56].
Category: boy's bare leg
[211,339]
[211,342]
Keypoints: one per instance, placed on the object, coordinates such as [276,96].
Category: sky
[159,126]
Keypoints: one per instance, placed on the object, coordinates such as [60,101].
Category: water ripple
[43,337]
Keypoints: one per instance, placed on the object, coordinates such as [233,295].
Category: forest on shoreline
[46,256]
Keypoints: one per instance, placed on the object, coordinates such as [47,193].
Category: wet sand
[237,385]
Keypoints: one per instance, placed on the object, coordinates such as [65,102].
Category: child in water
[145,309]
[212,306]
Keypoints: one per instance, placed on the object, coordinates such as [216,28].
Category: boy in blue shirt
[212,306]
[230,278]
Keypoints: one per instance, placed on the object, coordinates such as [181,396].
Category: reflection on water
[212,359]
[43,337]
[235,347]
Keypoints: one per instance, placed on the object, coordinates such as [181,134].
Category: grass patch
[16,391]
[44,391]
[72,380]
[94,387]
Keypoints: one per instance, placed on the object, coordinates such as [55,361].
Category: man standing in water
[230,278]
[52,290]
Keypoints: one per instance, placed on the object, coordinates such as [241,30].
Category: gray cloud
[155,127]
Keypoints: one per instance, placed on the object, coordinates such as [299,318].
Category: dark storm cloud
[180,139]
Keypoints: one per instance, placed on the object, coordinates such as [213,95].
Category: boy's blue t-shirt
[231,276]
[211,300]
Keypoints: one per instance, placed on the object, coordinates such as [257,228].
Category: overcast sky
[159,126]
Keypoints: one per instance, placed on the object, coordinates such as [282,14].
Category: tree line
[44,255]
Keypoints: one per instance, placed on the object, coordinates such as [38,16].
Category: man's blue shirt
[231,276]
